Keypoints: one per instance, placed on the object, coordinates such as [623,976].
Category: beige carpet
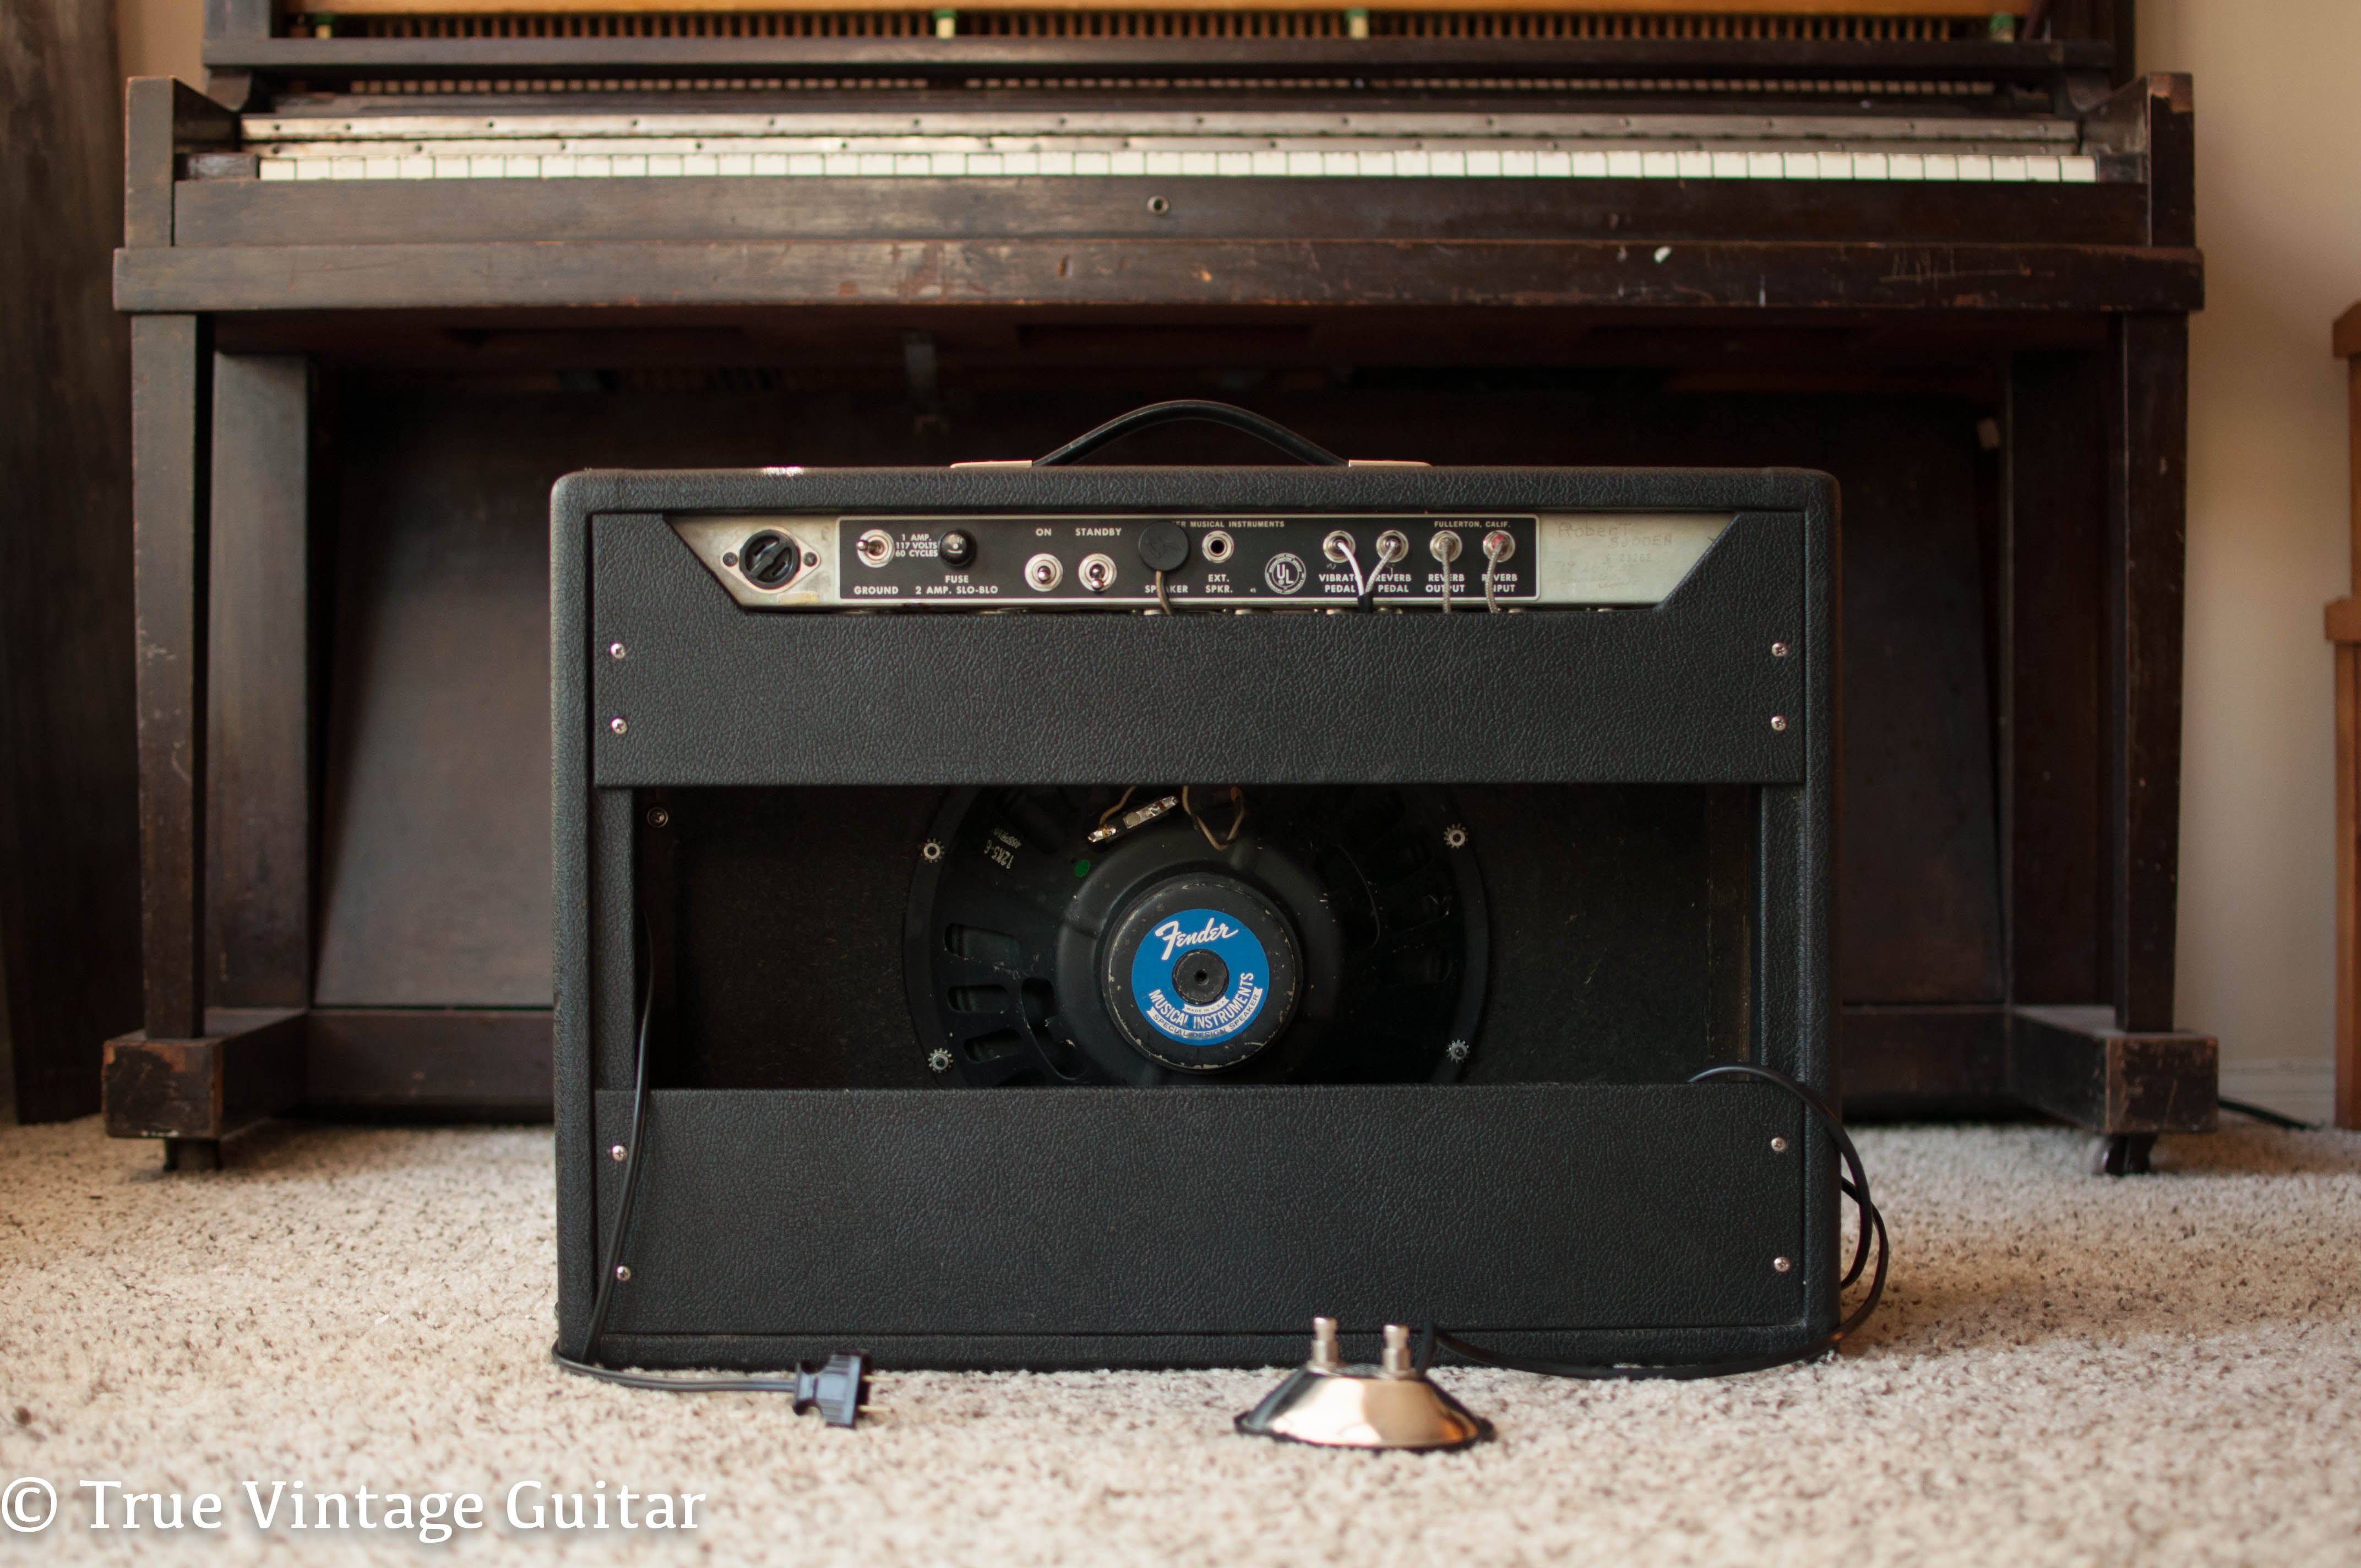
[2070,1370]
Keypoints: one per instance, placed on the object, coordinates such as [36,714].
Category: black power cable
[2264,1114]
[1854,1184]
[1202,412]
[838,1389]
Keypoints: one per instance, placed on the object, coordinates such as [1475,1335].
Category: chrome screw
[1778,650]
[932,849]
[617,724]
[617,651]
[1782,1264]
[623,1272]
[1778,1146]
[618,1153]
[1778,721]
[939,1059]
[1455,836]
[658,816]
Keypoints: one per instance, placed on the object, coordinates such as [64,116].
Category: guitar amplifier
[1042,915]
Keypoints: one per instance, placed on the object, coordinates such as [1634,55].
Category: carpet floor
[2069,1370]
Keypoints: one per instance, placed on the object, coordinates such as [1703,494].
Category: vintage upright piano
[397,268]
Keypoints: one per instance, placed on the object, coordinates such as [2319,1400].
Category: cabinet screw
[1778,721]
[617,651]
[618,726]
[623,1272]
[618,1153]
[659,818]
[1778,650]
[1778,1146]
[1782,1264]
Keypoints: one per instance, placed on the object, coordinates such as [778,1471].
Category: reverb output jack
[873,548]
[1443,546]
[1044,572]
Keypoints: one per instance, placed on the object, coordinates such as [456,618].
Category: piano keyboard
[1281,146]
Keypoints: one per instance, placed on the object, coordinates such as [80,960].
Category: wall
[162,38]
[2278,216]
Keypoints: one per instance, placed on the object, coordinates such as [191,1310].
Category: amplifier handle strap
[1196,409]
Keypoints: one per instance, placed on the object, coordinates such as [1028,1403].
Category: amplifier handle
[1198,409]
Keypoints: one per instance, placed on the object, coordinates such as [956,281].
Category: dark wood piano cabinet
[356,373]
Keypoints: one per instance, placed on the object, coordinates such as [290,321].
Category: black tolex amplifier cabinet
[1105,917]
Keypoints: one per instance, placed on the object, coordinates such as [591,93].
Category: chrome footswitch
[1394,1405]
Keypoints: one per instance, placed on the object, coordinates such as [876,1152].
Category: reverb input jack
[1498,545]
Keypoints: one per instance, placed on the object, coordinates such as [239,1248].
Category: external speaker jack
[1217,546]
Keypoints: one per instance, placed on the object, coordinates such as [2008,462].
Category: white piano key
[1021,162]
[1447,165]
[1155,163]
[1693,165]
[1341,165]
[1623,166]
[1590,165]
[1092,163]
[837,165]
[1942,165]
[665,165]
[1800,165]
[1905,166]
[1198,163]
[444,168]
[1554,165]
[1303,163]
[1058,162]
[909,163]
[1836,166]
[1412,163]
[1765,166]
[629,165]
[874,164]
[1660,166]
[1975,166]
[2041,170]
[734,165]
[385,168]
[594,166]
[1483,163]
[321,167]
[1374,164]
[1270,161]
[2009,169]
[702,165]
[415,167]
[488,166]
[773,165]
[1516,165]
[946,163]
[1233,163]
[2078,170]
[1728,165]
[1125,162]
[275,169]
[559,166]
[1869,166]
[986,164]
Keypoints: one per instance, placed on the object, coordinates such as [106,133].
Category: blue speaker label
[1221,1018]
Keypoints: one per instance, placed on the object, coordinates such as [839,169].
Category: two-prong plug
[838,1391]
